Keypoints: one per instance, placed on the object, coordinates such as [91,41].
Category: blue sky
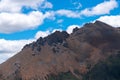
[24,21]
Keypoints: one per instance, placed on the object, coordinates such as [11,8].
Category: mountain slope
[105,70]
[62,56]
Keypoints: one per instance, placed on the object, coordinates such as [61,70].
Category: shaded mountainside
[81,55]
[105,70]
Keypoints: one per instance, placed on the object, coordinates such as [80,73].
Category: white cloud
[71,27]
[47,5]
[57,30]
[17,5]
[42,34]
[111,20]
[77,5]
[13,22]
[50,15]
[9,48]
[102,8]
[45,33]
[60,21]
[99,9]
[4,57]
[67,13]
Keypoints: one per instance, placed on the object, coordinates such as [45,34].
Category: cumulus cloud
[45,33]
[71,27]
[47,5]
[4,57]
[60,21]
[17,5]
[111,20]
[50,15]
[102,8]
[77,5]
[9,48]
[67,13]
[57,30]
[13,22]
[42,34]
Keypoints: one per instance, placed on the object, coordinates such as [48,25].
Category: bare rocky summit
[61,54]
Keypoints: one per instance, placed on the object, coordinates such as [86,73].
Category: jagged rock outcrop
[62,54]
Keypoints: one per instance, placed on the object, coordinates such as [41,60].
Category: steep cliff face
[61,54]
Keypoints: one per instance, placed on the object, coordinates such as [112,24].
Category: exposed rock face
[57,37]
[75,54]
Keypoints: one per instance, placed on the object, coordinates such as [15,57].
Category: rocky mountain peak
[57,37]
[61,54]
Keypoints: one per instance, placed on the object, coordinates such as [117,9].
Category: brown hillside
[61,52]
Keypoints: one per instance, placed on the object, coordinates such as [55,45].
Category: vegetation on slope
[105,70]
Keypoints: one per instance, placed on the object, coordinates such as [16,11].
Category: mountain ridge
[62,53]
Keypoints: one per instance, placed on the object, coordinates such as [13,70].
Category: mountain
[105,70]
[89,53]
